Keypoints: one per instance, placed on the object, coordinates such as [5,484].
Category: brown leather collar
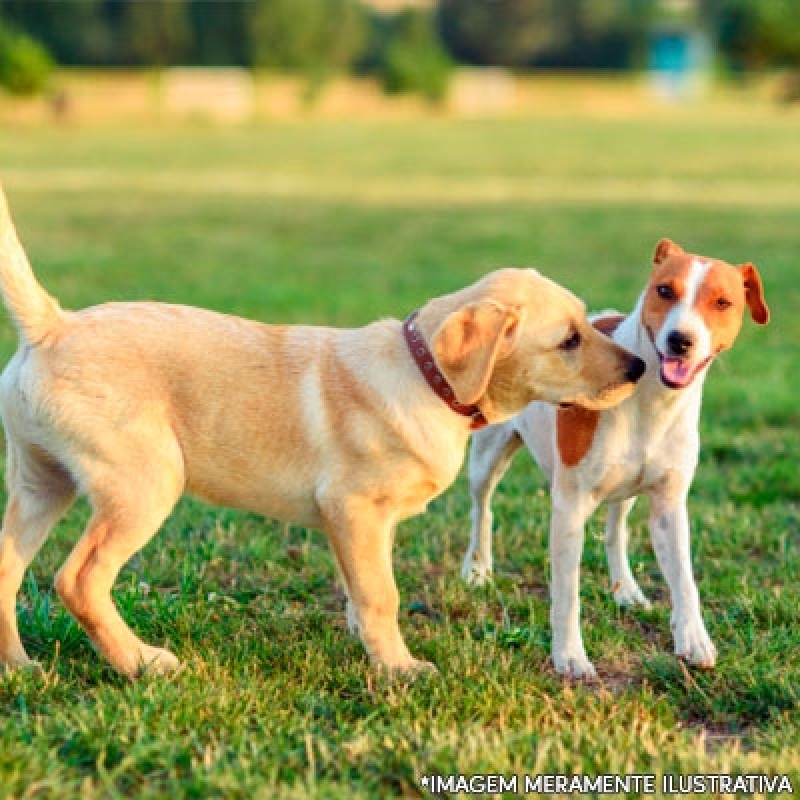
[433,375]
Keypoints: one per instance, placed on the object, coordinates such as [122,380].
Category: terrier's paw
[352,619]
[475,572]
[693,644]
[576,665]
[627,594]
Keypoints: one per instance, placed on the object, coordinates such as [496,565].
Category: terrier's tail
[35,313]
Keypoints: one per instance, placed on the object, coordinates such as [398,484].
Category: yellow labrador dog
[350,431]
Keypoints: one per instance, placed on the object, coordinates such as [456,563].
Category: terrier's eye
[571,342]
[665,291]
[723,303]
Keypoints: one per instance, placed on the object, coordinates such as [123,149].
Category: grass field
[339,224]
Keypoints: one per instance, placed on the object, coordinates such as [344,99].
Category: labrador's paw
[19,662]
[156,661]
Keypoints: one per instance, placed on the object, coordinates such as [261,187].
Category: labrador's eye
[665,291]
[572,342]
[723,303]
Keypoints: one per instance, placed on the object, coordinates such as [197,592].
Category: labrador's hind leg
[39,493]
[129,507]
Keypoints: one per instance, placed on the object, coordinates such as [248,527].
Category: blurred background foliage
[409,48]
[25,65]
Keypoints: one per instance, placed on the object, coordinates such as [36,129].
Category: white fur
[646,445]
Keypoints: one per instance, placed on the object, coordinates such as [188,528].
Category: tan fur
[469,343]
[35,313]
[133,404]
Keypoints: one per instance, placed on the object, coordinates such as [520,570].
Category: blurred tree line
[412,48]
[291,34]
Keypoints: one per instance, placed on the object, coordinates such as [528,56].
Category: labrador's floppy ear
[664,249]
[754,294]
[469,342]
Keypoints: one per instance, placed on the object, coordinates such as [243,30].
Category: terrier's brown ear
[468,344]
[664,249]
[754,294]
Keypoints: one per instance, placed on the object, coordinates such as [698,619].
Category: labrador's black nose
[679,343]
[636,368]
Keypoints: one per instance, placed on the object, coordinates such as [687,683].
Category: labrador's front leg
[669,530]
[361,537]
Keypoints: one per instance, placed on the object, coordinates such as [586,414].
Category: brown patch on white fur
[576,426]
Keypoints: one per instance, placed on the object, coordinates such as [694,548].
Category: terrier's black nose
[636,368]
[679,343]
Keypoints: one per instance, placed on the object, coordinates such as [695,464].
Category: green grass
[343,223]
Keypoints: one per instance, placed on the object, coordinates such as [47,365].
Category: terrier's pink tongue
[676,370]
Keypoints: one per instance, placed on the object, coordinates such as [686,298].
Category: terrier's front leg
[566,546]
[623,585]
[669,530]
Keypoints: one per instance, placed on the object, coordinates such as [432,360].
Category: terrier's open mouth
[678,373]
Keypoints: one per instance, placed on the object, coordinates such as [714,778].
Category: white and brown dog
[690,312]
[350,431]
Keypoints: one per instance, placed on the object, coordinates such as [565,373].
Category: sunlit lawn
[340,223]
